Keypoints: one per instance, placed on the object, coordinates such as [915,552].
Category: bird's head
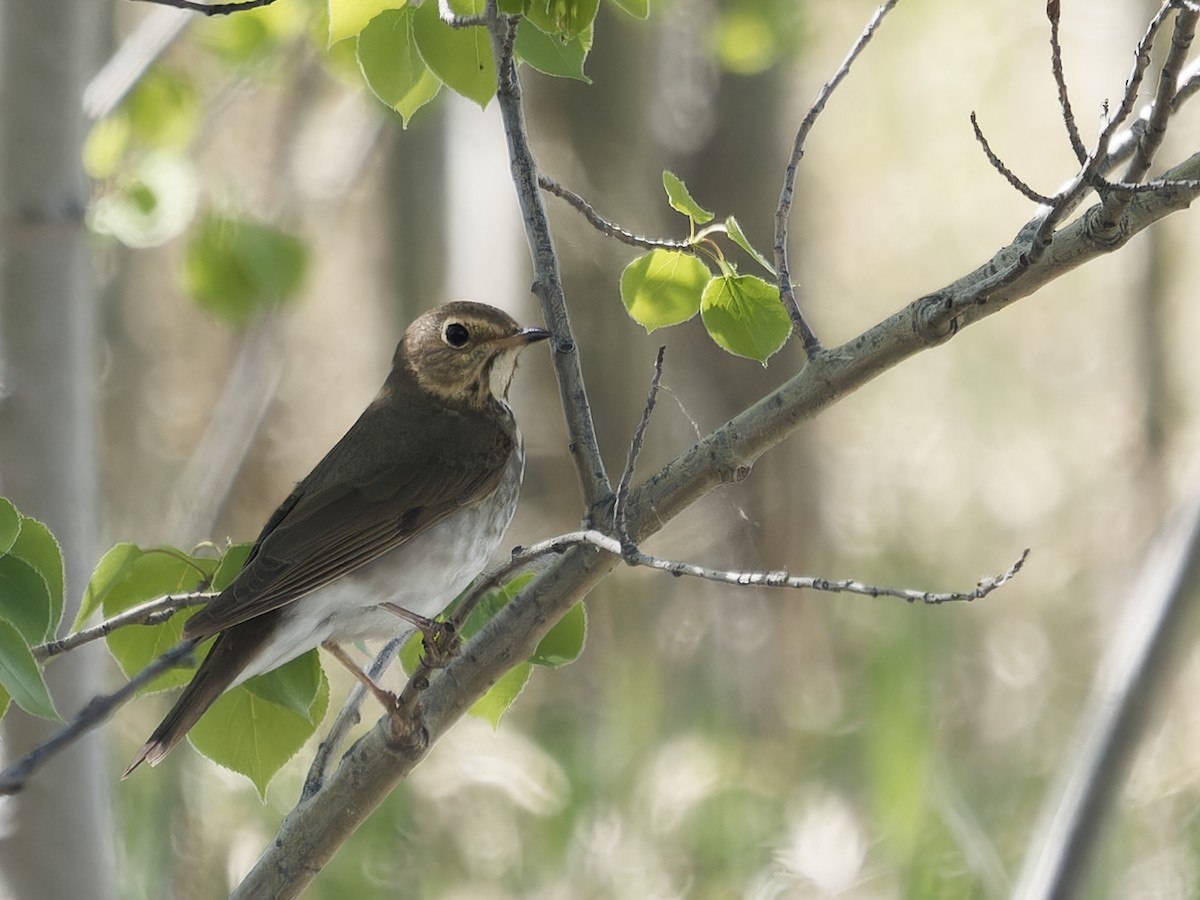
[464,352]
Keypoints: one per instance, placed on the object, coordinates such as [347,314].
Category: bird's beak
[524,338]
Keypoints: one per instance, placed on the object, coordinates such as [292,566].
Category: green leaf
[38,547]
[294,685]
[567,18]
[10,525]
[231,565]
[163,109]
[639,9]
[253,736]
[129,575]
[501,695]
[461,57]
[236,268]
[105,145]
[253,36]
[681,199]
[20,676]
[744,315]
[25,599]
[5,700]
[663,287]
[746,40]
[348,17]
[392,67]
[550,54]
[734,230]
[564,642]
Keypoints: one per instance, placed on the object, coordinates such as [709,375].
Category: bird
[403,512]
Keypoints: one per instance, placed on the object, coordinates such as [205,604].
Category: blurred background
[712,741]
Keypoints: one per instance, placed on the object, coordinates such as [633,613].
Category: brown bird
[406,508]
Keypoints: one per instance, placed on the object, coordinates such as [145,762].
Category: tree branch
[783,211]
[547,283]
[212,9]
[603,225]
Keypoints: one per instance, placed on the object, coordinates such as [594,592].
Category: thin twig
[603,225]
[635,446]
[348,716]
[787,291]
[1009,175]
[1064,101]
[547,279]
[213,9]
[1168,79]
[1114,206]
[13,778]
[152,612]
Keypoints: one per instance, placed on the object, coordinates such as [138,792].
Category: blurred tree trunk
[57,841]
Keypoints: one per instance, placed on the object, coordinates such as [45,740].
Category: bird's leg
[441,639]
[385,697]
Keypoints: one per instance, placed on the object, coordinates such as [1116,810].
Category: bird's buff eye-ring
[456,334]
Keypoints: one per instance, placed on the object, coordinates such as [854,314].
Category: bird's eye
[456,334]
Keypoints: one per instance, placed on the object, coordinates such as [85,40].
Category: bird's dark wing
[340,518]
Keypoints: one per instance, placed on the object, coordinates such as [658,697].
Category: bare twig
[635,446]
[603,225]
[213,9]
[348,716]
[1114,206]
[1168,79]
[1011,177]
[1064,100]
[152,612]
[783,211]
[547,283]
[13,778]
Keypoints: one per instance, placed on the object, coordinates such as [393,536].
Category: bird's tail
[229,655]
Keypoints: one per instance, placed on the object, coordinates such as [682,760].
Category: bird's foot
[441,638]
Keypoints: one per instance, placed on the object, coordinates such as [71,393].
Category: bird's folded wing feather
[325,531]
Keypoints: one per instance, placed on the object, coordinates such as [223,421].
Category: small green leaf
[253,736]
[163,109]
[348,17]
[392,67]
[550,54]
[501,695]
[663,287]
[564,642]
[105,145]
[231,565]
[681,199]
[10,525]
[38,547]
[253,36]
[461,57]
[744,315]
[639,9]
[25,599]
[129,575]
[20,676]
[235,268]
[5,700]
[734,230]
[294,685]
[567,18]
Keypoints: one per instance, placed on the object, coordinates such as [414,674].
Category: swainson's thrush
[406,508]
